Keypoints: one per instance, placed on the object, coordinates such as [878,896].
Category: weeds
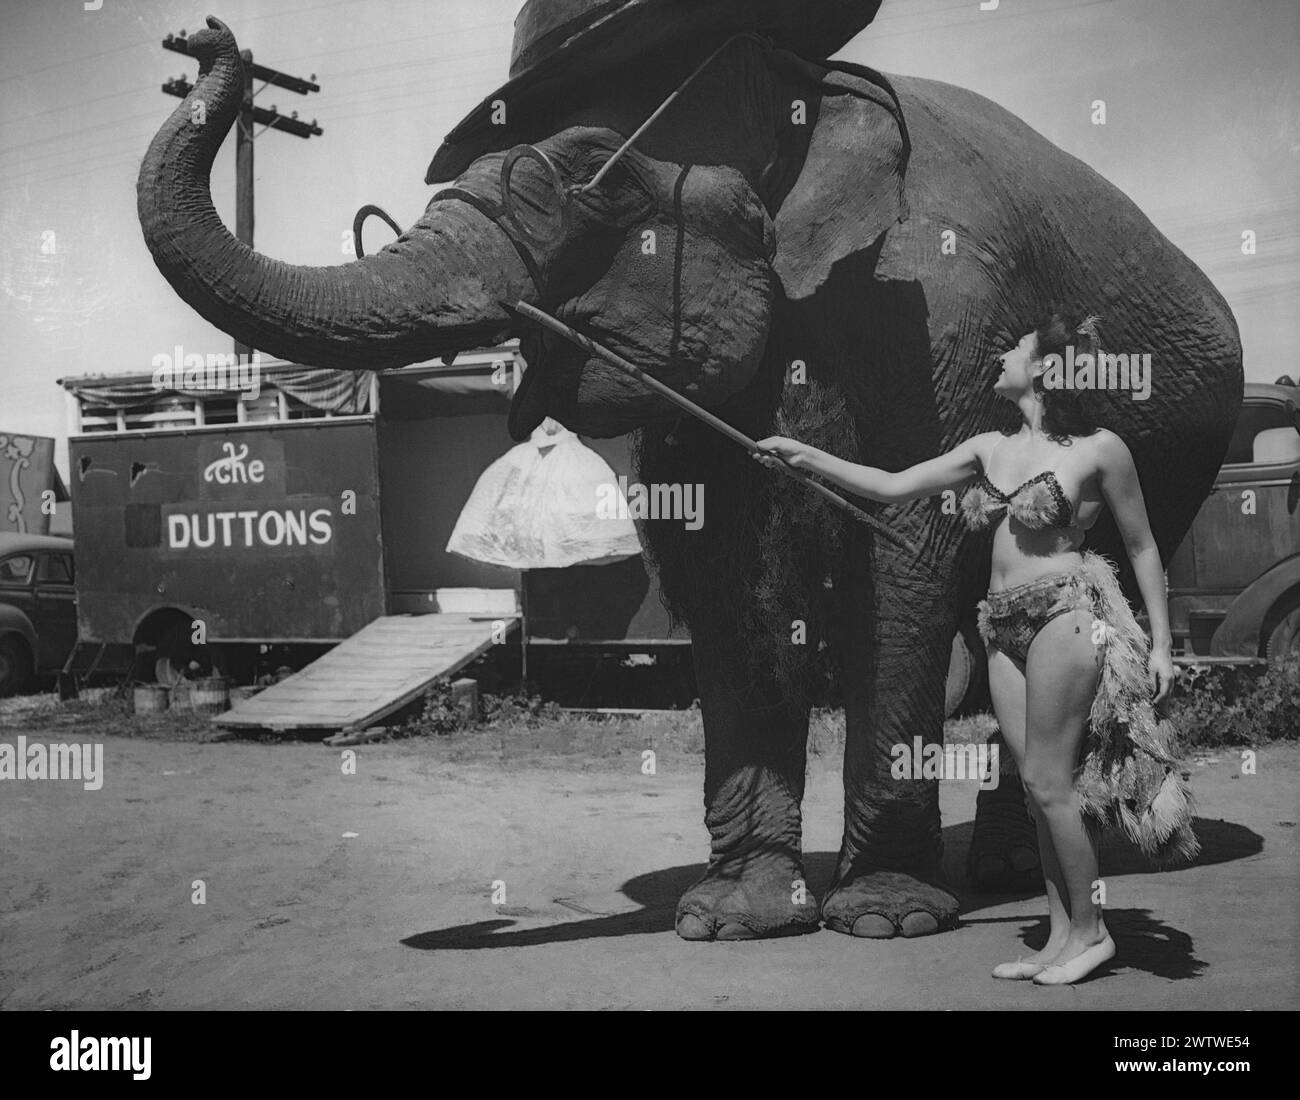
[1217,705]
[1213,706]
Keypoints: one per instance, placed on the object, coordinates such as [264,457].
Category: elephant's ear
[848,158]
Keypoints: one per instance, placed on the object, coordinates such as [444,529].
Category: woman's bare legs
[1007,687]
[1061,676]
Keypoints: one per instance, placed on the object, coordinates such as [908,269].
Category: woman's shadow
[1146,943]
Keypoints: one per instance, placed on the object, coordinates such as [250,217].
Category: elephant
[800,246]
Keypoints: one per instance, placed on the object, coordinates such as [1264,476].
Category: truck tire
[15,665]
[1284,638]
[176,658]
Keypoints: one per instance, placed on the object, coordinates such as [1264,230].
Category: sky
[1202,131]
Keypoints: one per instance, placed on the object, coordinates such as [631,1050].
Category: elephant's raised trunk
[434,290]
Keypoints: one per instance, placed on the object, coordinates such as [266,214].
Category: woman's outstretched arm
[946,471]
[1119,484]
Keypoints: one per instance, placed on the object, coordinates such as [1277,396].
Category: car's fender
[1238,634]
[13,621]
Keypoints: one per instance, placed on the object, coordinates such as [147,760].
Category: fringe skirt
[1130,776]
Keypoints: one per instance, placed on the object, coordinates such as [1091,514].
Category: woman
[1069,668]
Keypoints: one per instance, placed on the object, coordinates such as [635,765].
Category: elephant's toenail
[691,927]
[873,926]
[919,924]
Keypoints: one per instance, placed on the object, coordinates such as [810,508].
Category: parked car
[38,607]
[1234,583]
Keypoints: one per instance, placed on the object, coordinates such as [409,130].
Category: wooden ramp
[380,668]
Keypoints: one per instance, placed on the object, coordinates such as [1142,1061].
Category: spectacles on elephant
[545,216]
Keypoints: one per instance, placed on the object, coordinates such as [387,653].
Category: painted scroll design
[18,450]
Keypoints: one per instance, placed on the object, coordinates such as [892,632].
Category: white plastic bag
[535,507]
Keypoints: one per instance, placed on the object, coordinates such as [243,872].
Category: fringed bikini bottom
[1011,619]
[1130,776]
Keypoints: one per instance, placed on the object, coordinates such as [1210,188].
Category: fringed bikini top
[1040,503]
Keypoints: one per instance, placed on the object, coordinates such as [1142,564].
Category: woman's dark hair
[1066,412]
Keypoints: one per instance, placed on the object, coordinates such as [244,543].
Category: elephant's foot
[1003,856]
[877,904]
[747,901]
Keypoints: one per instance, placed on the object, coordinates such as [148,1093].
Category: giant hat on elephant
[564,45]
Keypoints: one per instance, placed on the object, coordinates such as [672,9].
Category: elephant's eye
[615,194]
[589,162]
[616,180]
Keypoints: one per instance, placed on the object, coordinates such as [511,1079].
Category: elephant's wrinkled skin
[778,238]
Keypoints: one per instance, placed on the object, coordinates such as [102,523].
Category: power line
[74,61]
[32,166]
[442,81]
[441,63]
[80,104]
[869,35]
[311,8]
[77,158]
[97,169]
[440,35]
[82,59]
[81,130]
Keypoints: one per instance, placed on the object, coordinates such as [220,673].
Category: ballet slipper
[1078,967]
[1018,971]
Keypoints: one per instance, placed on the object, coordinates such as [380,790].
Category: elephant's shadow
[1146,943]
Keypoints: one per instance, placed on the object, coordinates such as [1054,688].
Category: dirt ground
[374,890]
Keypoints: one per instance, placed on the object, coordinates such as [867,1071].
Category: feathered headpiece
[1088,326]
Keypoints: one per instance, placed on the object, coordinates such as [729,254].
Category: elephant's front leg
[889,878]
[755,744]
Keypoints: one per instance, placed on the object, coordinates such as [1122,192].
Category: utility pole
[270,119]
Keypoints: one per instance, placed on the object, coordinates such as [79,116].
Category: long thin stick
[595,181]
[615,360]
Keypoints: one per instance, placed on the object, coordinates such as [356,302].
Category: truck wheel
[15,665]
[169,668]
[1284,639]
[177,658]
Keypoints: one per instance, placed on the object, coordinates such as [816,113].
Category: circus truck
[247,522]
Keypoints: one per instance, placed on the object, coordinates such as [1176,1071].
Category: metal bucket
[151,698]
[210,696]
